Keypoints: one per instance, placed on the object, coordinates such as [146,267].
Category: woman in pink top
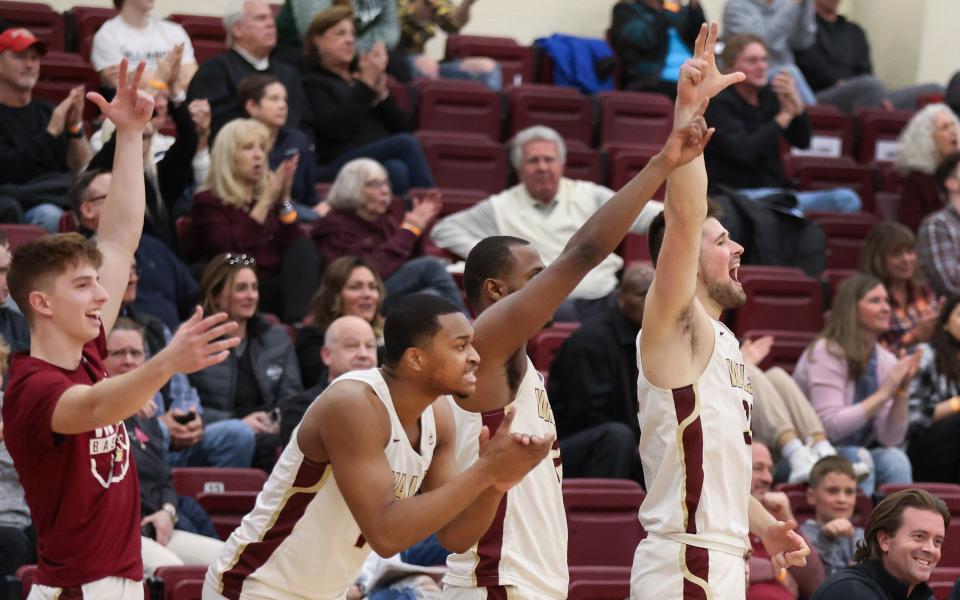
[857,387]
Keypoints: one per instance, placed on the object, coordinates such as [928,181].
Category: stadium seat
[603,529]
[200,26]
[787,347]
[192,481]
[934,487]
[941,589]
[39,18]
[19,235]
[227,509]
[516,61]
[845,236]
[457,106]
[454,199]
[172,578]
[771,270]
[950,551]
[832,133]
[818,173]
[465,160]
[583,162]
[600,483]
[564,109]
[770,297]
[833,278]
[634,248]
[59,73]
[204,49]
[626,160]
[399,92]
[634,118]
[86,21]
[599,590]
[878,130]
[544,344]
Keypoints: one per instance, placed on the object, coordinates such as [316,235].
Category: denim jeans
[400,154]
[44,215]
[226,443]
[840,200]
[887,465]
[453,69]
[423,274]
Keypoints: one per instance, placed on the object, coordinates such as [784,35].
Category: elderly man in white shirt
[546,209]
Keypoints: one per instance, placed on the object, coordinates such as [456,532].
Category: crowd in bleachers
[309,164]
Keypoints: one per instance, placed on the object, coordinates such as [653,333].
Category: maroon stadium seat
[833,278]
[454,199]
[87,20]
[564,109]
[779,271]
[600,483]
[465,160]
[59,73]
[635,118]
[845,236]
[583,162]
[934,487]
[950,551]
[39,18]
[457,106]
[543,346]
[787,347]
[599,583]
[770,297]
[603,526]
[832,133]
[19,235]
[173,577]
[817,173]
[634,248]
[516,61]
[803,510]
[878,130]
[192,481]
[227,509]
[626,160]
[399,92]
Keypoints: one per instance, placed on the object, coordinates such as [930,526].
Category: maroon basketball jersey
[82,489]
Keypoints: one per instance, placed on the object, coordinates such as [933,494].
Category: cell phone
[185,418]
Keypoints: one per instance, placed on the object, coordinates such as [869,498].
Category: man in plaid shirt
[938,239]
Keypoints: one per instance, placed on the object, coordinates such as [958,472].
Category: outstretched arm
[672,294]
[121,223]
[506,325]
[786,547]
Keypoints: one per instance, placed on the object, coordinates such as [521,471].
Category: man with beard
[693,395]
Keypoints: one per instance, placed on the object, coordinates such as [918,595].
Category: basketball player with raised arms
[694,399]
[63,418]
[347,482]
[523,554]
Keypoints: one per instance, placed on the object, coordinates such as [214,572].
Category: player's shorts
[500,592]
[667,570]
[117,588]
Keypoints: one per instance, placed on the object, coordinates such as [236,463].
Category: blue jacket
[575,61]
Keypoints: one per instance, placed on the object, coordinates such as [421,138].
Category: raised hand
[424,211]
[754,351]
[131,108]
[200,343]
[687,141]
[785,546]
[510,456]
[700,78]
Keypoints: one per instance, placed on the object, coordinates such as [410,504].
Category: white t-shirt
[116,40]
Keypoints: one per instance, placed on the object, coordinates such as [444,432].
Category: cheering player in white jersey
[694,399]
[348,480]
[523,554]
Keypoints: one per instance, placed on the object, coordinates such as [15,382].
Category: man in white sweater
[545,208]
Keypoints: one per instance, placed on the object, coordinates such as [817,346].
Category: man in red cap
[41,146]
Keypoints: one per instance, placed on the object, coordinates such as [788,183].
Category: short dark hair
[411,321]
[888,517]
[945,170]
[253,87]
[490,258]
[78,189]
[659,225]
[827,465]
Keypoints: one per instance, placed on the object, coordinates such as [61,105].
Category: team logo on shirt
[738,376]
[404,485]
[544,411]
[109,454]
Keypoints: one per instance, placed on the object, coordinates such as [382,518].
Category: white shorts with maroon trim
[667,570]
[115,588]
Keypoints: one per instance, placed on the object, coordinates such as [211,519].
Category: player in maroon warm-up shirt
[63,419]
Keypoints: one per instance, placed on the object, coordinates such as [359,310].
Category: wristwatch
[172,511]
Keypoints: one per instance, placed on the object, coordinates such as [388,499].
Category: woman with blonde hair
[359,224]
[931,135]
[857,387]
[241,209]
[889,253]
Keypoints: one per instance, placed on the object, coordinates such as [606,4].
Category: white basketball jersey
[301,541]
[526,545]
[695,448]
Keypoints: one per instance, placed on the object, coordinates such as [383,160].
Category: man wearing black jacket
[901,547]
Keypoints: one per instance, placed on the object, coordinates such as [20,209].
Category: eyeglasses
[375,183]
[132,352]
[238,259]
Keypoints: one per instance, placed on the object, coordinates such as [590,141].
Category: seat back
[583,162]
[457,106]
[787,348]
[878,130]
[545,344]
[42,21]
[18,235]
[564,109]
[770,297]
[87,20]
[192,481]
[811,173]
[845,236]
[173,577]
[634,118]
[832,133]
[516,61]
[465,160]
[603,528]
[626,160]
